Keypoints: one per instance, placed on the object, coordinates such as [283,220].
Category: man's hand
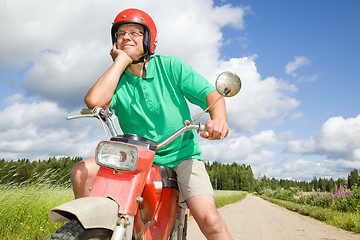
[117,53]
[215,130]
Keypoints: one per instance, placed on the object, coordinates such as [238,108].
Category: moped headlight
[117,156]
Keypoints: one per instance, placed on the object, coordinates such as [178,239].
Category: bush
[287,195]
[341,199]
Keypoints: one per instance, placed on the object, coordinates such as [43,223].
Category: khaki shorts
[192,180]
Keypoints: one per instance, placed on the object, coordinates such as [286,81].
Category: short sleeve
[194,86]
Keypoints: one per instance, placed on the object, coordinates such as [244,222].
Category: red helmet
[133,15]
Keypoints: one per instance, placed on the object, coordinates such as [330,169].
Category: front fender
[92,212]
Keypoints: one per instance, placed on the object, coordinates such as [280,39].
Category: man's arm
[217,127]
[101,93]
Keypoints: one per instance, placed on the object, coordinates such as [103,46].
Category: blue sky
[325,32]
[296,117]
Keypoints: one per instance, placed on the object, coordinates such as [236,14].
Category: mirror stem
[226,91]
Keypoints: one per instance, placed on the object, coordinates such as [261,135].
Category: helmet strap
[142,60]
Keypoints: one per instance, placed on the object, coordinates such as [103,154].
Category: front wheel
[73,230]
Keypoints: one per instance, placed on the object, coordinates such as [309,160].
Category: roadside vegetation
[340,207]
[223,197]
[29,189]
[24,208]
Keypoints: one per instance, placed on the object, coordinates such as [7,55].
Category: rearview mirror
[228,84]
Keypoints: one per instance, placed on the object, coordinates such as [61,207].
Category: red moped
[131,197]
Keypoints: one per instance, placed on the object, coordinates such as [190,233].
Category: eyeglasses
[133,33]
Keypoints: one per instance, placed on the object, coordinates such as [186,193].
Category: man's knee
[84,168]
[77,169]
[212,223]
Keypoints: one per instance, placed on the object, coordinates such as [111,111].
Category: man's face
[130,40]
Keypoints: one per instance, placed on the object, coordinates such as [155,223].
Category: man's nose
[126,35]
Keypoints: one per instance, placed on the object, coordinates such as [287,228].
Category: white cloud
[39,130]
[32,27]
[298,62]
[66,76]
[296,115]
[74,52]
[332,152]
[67,44]
[259,99]
[338,139]
[241,149]
[311,78]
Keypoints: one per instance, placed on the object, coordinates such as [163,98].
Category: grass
[24,208]
[223,198]
[345,220]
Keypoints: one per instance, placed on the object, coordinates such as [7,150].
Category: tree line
[222,176]
[322,184]
[23,171]
[231,176]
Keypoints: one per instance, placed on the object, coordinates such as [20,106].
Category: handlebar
[105,117]
[96,112]
[200,127]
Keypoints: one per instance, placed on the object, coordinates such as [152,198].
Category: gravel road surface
[254,218]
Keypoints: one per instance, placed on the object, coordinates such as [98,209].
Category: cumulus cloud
[64,45]
[39,130]
[74,52]
[298,62]
[67,48]
[32,27]
[242,149]
[259,100]
[306,169]
[65,77]
[338,140]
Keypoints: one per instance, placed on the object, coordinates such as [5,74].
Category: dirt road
[254,218]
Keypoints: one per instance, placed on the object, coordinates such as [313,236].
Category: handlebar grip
[87,111]
[202,127]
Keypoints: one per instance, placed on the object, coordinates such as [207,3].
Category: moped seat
[169,179]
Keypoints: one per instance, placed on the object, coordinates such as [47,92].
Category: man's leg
[195,188]
[207,217]
[83,176]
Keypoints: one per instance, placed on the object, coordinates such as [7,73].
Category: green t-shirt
[155,107]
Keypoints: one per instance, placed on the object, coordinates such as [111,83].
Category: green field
[24,209]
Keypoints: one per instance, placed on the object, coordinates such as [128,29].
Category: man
[148,95]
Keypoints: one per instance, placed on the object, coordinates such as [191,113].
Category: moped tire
[73,230]
[175,230]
